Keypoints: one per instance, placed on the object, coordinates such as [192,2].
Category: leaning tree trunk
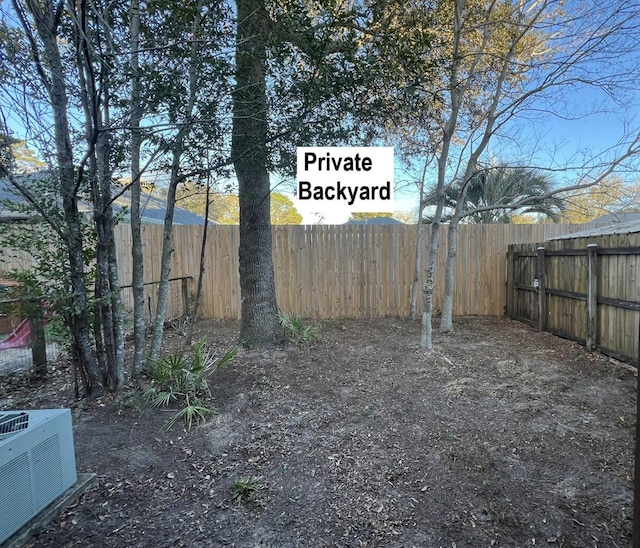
[201,270]
[259,326]
[446,321]
[177,151]
[47,26]
[167,250]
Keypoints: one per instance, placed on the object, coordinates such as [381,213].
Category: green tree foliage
[225,207]
[7,147]
[583,206]
[283,212]
[49,278]
[361,216]
[493,192]
[25,159]
[407,217]
[171,74]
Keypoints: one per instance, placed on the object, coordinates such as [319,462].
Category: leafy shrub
[183,380]
[48,277]
[181,325]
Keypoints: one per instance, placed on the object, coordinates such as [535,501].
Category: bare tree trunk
[426,340]
[167,250]
[117,312]
[420,232]
[102,266]
[167,237]
[446,321]
[47,25]
[137,281]
[457,95]
[97,147]
[203,250]
[260,326]
[94,71]
[102,196]
[98,340]
[416,276]
[114,308]
[426,337]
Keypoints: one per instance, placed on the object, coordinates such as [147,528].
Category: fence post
[185,296]
[542,294]
[38,342]
[636,481]
[592,296]
[510,277]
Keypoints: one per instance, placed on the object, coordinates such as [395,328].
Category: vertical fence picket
[592,296]
[542,297]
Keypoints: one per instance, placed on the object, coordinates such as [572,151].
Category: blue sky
[557,142]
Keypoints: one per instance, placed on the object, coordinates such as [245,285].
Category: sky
[576,143]
[558,142]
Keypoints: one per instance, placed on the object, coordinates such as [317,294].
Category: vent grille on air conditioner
[37,464]
[13,422]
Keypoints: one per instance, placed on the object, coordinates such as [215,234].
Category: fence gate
[522,283]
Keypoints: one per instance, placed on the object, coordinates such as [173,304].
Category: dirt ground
[504,437]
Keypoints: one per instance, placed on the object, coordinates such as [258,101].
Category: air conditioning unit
[37,464]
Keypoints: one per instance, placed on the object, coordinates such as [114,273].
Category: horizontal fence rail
[333,271]
[179,298]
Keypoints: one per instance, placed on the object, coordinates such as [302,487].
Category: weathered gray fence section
[585,288]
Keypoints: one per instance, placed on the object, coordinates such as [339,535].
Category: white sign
[359,179]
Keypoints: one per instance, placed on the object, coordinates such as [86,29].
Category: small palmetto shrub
[247,489]
[181,325]
[183,379]
[297,329]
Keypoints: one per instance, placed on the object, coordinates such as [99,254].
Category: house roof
[7,193]
[616,218]
[153,208]
[375,221]
[629,227]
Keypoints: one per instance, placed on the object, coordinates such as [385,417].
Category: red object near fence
[20,338]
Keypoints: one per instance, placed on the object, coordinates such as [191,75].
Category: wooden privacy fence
[338,271]
[585,289]
[179,302]
[334,271]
